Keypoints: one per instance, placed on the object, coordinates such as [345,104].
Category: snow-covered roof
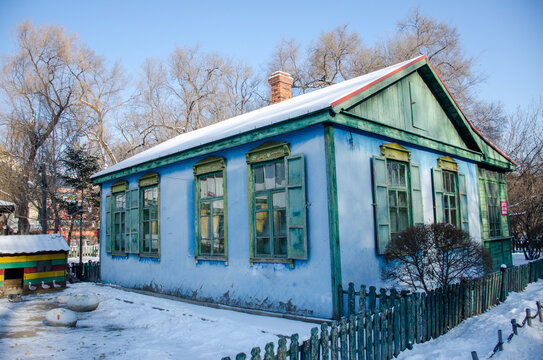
[29,244]
[6,203]
[269,115]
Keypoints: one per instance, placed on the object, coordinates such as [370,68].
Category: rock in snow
[82,303]
[61,317]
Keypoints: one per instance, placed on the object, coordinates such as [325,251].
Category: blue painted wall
[354,150]
[305,289]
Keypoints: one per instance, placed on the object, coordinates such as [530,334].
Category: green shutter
[504,223]
[380,199]
[416,196]
[297,224]
[463,199]
[133,222]
[437,179]
[108,223]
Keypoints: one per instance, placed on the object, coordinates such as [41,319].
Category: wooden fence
[89,272]
[380,325]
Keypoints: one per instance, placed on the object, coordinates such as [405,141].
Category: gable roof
[30,244]
[331,97]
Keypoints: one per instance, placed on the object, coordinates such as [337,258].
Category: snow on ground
[480,333]
[128,325]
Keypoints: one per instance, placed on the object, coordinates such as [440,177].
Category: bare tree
[38,85]
[523,139]
[430,256]
[101,96]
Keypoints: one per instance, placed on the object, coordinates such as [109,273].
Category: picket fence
[380,325]
[89,272]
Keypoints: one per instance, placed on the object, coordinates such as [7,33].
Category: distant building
[276,208]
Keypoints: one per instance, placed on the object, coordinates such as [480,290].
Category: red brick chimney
[281,86]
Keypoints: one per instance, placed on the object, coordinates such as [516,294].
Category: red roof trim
[469,122]
[348,96]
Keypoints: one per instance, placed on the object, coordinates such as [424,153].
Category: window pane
[279,174]
[211,186]
[205,208]
[402,178]
[120,201]
[134,199]
[203,187]
[262,224]
[279,199]
[204,228]
[392,198]
[280,223]
[403,220]
[269,171]
[259,178]
[393,221]
[218,219]
[134,221]
[402,198]
[263,246]
[218,185]
[205,246]
[261,202]
[280,246]
[218,248]
[145,214]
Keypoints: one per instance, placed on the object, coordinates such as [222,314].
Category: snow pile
[83,303]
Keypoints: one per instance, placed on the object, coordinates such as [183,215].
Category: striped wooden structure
[32,263]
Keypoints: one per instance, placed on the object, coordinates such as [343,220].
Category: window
[277,205]
[492,192]
[131,228]
[210,209]
[397,193]
[450,197]
[398,198]
[119,223]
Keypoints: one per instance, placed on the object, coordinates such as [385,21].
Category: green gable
[409,105]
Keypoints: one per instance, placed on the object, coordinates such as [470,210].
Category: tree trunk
[43,201]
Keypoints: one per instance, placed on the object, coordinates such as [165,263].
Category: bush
[431,256]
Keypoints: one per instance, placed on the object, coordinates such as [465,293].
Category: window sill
[272,260]
[211,258]
[152,256]
[498,238]
[120,254]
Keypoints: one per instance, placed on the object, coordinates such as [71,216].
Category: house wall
[304,289]
[354,150]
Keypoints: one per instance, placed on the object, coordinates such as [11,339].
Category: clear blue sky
[505,37]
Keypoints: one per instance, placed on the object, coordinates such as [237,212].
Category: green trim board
[333,220]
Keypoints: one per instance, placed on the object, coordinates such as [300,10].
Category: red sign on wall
[503,205]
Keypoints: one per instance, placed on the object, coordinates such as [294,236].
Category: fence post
[294,347]
[350,300]
[240,356]
[474,355]
[503,294]
[500,340]
[515,326]
[539,311]
[282,349]
[325,346]
[362,300]
[529,317]
[255,353]
[269,354]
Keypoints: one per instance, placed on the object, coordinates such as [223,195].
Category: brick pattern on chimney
[281,86]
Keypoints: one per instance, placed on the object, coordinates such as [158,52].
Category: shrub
[430,256]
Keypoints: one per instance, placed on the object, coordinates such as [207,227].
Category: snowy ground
[133,326]
[128,325]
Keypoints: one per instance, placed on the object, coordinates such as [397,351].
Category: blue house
[276,208]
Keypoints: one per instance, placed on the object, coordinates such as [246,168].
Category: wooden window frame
[206,167]
[296,206]
[148,181]
[393,152]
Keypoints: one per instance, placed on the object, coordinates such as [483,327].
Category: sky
[505,38]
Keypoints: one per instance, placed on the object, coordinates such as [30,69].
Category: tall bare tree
[39,87]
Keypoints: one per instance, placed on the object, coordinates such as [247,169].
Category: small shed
[32,262]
